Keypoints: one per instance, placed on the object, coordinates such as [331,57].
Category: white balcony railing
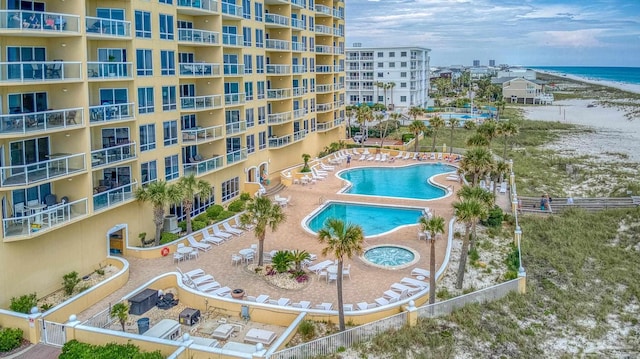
[323,107]
[298,69]
[234,69]
[324,68]
[322,29]
[299,113]
[231,9]
[115,112]
[275,94]
[234,99]
[300,135]
[198,103]
[298,24]
[232,39]
[99,27]
[275,142]
[196,36]
[235,127]
[199,69]
[203,167]
[114,154]
[324,49]
[276,19]
[202,135]
[278,69]
[109,70]
[59,165]
[39,22]
[114,197]
[237,156]
[202,5]
[277,44]
[23,123]
[325,10]
[278,118]
[39,71]
[298,46]
[324,88]
[299,91]
[43,220]
[324,126]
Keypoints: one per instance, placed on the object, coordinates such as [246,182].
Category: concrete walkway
[37,351]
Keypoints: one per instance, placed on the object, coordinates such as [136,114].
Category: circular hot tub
[390,256]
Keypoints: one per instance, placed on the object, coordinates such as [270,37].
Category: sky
[515,32]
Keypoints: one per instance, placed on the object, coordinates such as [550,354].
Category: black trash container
[143,325]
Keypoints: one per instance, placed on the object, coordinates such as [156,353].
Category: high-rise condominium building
[395,76]
[476,63]
[492,63]
[100,98]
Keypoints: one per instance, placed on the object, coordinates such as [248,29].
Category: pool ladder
[321,200]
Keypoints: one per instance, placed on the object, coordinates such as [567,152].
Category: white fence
[330,344]
[102,319]
[481,296]
[53,333]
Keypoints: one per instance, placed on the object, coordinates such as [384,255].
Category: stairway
[274,188]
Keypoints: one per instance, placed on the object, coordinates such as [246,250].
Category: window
[246,36]
[248,64]
[166,27]
[143,24]
[246,9]
[258,14]
[199,205]
[145,100]
[380,98]
[380,54]
[262,115]
[392,54]
[403,98]
[171,169]
[147,137]
[170,132]
[248,91]
[148,172]
[403,64]
[251,143]
[259,38]
[380,65]
[230,188]
[249,117]
[230,35]
[403,74]
[403,85]
[403,54]
[168,2]
[260,85]
[380,75]
[259,64]
[168,63]
[144,62]
[392,64]
[169,98]
[262,140]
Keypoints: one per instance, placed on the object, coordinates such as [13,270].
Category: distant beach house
[522,90]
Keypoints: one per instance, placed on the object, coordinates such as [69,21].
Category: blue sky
[523,32]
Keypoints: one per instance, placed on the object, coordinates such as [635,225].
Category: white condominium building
[403,71]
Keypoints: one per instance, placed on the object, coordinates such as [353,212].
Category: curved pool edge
[416,257]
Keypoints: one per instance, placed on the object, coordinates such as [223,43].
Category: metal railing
[275,142]
[323,107]
[298,46]
[114,154]
[322,29]
[109,70]
[202,135]
[199,69]
[234,98]
[233,69]
[277,44]
[96,26]
[198,36]
[324,126]
[231,9]
[300,135]
[115,196]
[324,88]
[322,9]
[205,5]
[39,21]
[278,118]
[297,23]
[32,71]
[324,68]
[45,219]
[299,91]
[278,93]
[276,19]
[278,69]
[40,121]
[235,127]
[115,112]
[203,167]
[299,113]
[61,164]
[232,39]
[237,156]
[324,49]
[199,103]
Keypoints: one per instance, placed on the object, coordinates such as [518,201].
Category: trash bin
[143,325]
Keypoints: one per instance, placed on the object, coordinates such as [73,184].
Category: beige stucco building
[522,90]
[98,98]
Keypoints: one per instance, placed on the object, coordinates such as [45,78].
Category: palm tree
[469,211]
[120,311]
[390,86]
[342,240]
[435,226]
[486,199]
[190,187]
[415,112]
[393,118]
[298,256]
[416,127]
[305,158]
[160,195]
[382,85]
[477,140]
[498,170]
[364,114]
[506,129]
[436,124]
[453,123]
[262,213]
[478,161]
[489,130]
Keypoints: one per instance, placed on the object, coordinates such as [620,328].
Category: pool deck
[367,282]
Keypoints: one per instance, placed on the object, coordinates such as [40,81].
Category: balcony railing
[232,39]
[37,71]
[324,69]
[298,3]
[324,88]
[109,70]
[204,5]
[298,46]
[196,36]
[278,93]
[199,69]
[324,49]
[199,103]
[300,135]
[338,121]
[299,113]
[49,218]
[115,112]
[338,50]
[277,44]
[202,135]
[298,69]
[337,87]
[278,118]
[237,156]
[323,107]
[278,69]
[204,167]
[299,91]
[60,164]
[111,155]
[39,22]
[234,99]
[324,126]
[109,28]
[23,123]
[231,9]
[114,197]
[298,24]
[276,19]
[322,29]
[234,69]
[235,127]
[321,9]
[275,142]
[338,32]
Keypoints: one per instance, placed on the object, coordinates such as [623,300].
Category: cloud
[575,38]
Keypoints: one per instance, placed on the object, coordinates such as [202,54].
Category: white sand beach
[617,85]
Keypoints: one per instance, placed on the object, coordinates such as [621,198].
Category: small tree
[159,194]
[416,127]
[190,187]
[69,282]
[305,158]
[434,226]
[120,311]
[262,213]
[299,256]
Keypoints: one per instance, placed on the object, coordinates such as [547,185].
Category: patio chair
[332,277]
[218,233]
[195,244]
[208,238]
[346,272]
[193,253]
[420,272]
[177,257]
[230,229]
[205,279]
[235,259]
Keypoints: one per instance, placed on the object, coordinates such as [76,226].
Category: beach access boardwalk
[559,205]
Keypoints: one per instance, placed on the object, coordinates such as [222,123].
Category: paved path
[38,351]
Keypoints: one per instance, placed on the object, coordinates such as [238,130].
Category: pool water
[389,256]
[374,220]
[402,182]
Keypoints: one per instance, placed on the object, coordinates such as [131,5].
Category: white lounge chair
[208,238]
[401,288]
[218,233]
[326,167]
[407,156]
[346,271]
[195,244]
[302,304]
[398,156]
[420,272]
[227,227]
[452,177]
[208,287]
[205,279]
[503,187]
[222,292]
[363,157]
[414,283]
[192,273]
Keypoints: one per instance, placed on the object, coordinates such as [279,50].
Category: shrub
[198,225]
[46,306]
[224,215]
[281,261]
[69,282]
[168,237]
[214,211]
[236,206]
[495,217]
[10,338]
[473,255]
[99,271]
[245,196]
[83,288]
[202,217]
[74,349]
[24,303]
[183,226]
[307,329]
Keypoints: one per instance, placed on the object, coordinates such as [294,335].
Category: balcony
[298,46]
[40,24]
[324,88]
[324,69]
[338,121]
[40,71]
[200,69]
[200,103]
[231,99]
[107,113]
[338,50]
[25,123]
[278,94]
[338,13]
[203,167]
[99,28]
[197,37]
[299,91]
[322,29]
[278,69]
[324,107]
[298,3]
[337,87]
[324,126]
[300,135]
[199,135]
[197,7]
[52,217]
[298,69]
[231,11]
[299,113]
[109,70]
[114,197]
[274,44]
[323,49]
[233,128]
[232,39]
[275,19]
[338,32]
[298,24]
[322,10]
[112,155]
[277,142]
[234,69]
[278,118]
[60,165]
[237,156]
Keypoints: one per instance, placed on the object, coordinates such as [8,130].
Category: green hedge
[74,349]
[214,211]
[10,338]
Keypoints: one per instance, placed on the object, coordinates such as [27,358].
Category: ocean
[629,75]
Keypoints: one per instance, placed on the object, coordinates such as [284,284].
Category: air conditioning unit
[171,224]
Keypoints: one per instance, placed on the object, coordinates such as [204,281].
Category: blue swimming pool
[374,219]
[402,182]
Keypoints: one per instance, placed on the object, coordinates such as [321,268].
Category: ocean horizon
[624,75]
